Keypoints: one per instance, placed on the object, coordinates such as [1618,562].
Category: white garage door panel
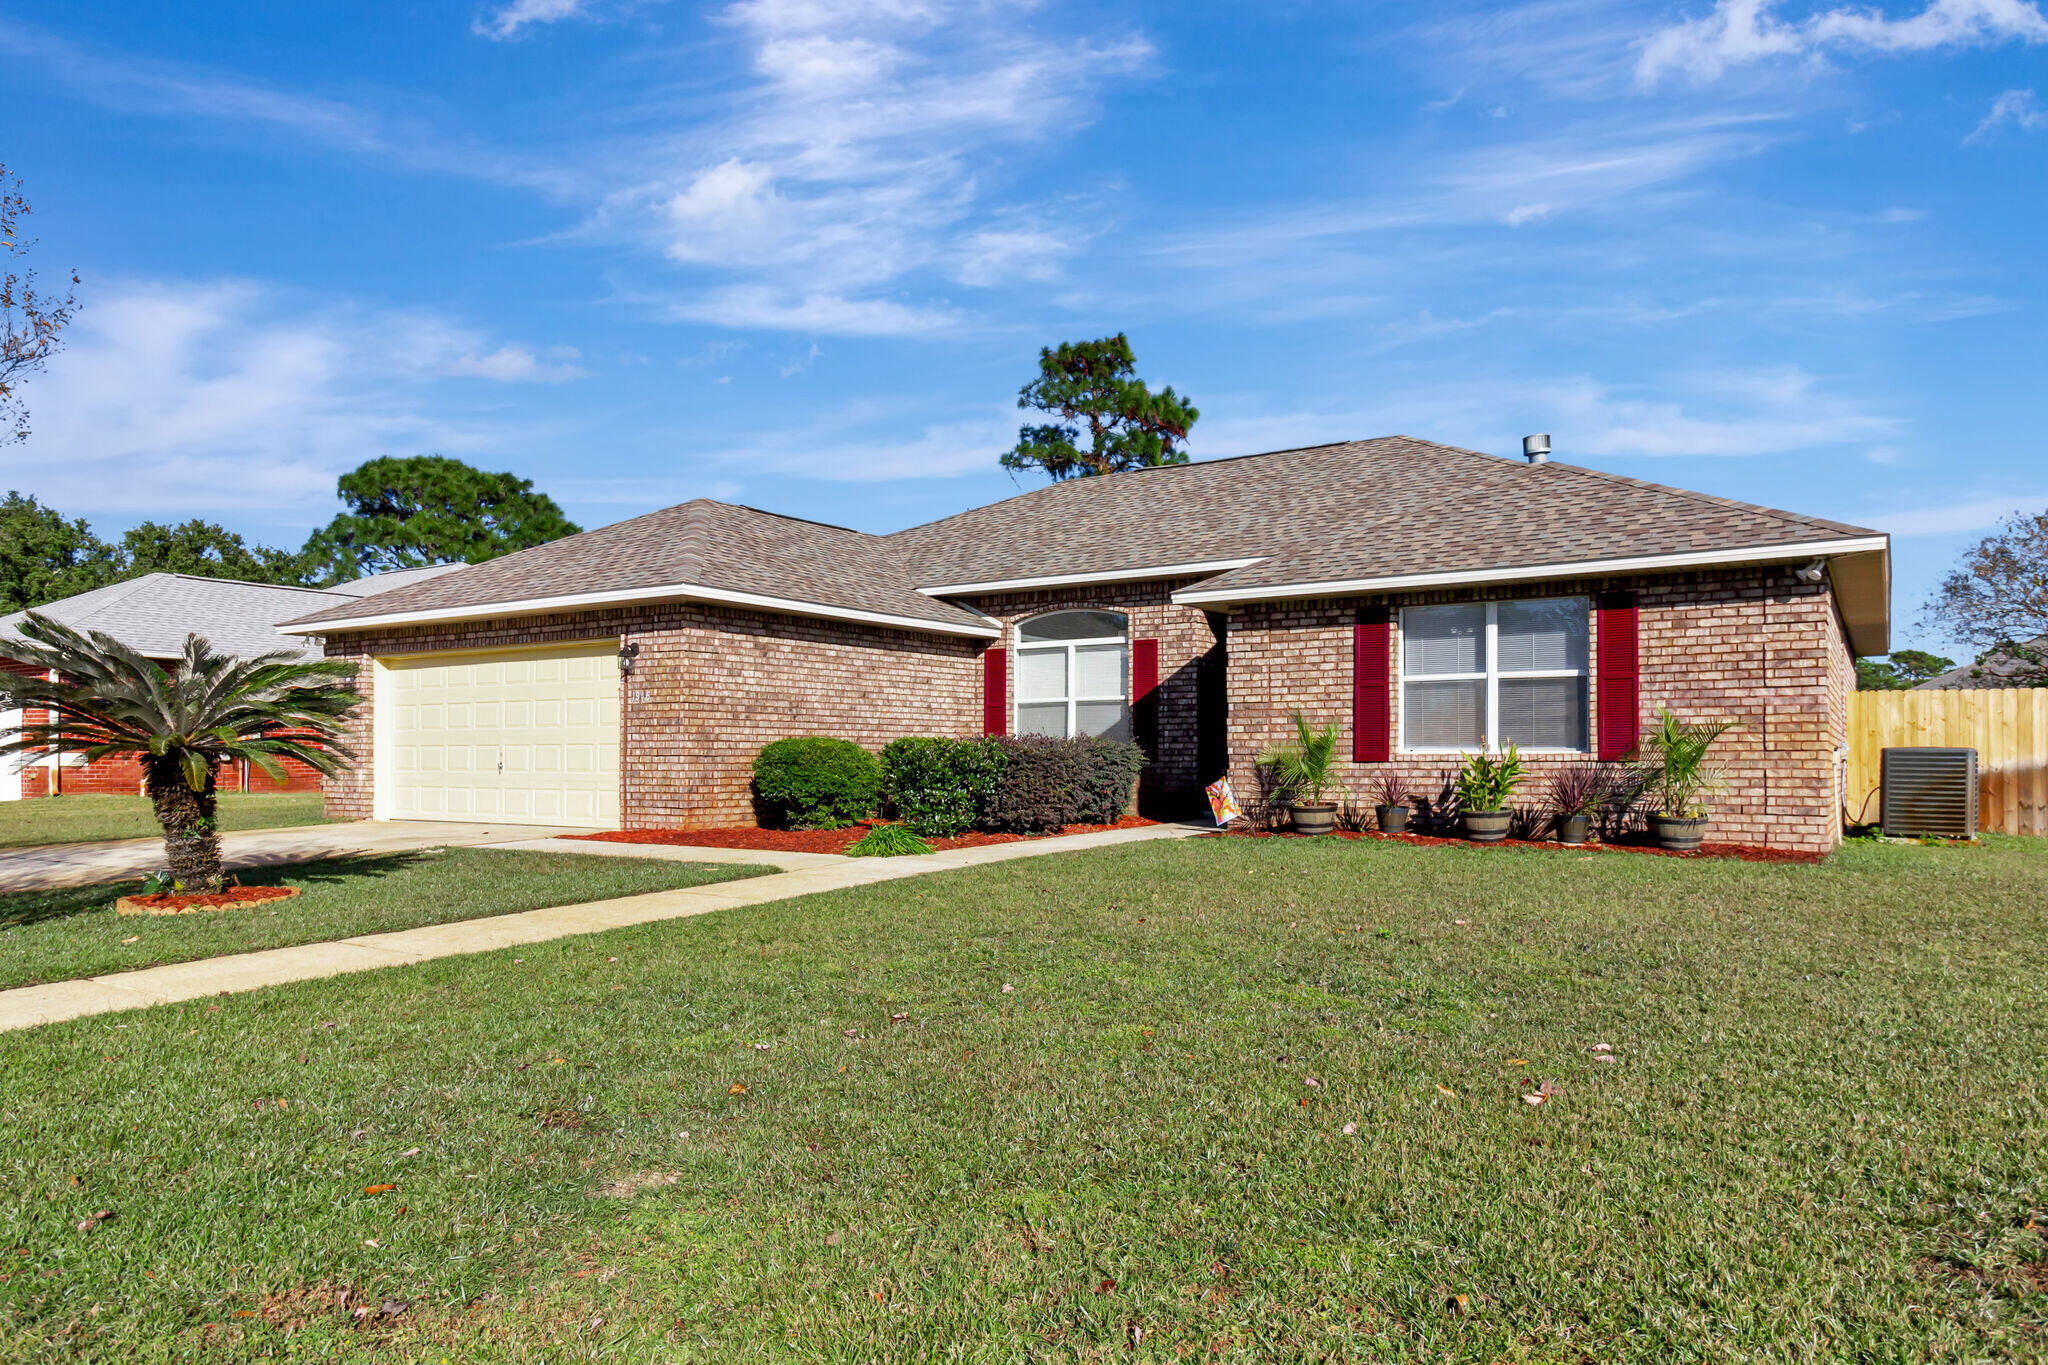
[529,736]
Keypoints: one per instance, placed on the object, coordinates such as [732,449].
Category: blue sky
[801,253]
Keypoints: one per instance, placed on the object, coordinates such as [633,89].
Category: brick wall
[1752,645]
[709,687]
[122,775]
[1172,781]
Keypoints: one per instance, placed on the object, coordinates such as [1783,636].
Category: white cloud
[517,365]
[1974,514]
[2017,107]
[864,158]
[218,397]
[507,22]
[1743,32]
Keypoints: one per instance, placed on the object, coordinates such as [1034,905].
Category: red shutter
[1619,705]
[1145,695]
[1372,719]
[995,691]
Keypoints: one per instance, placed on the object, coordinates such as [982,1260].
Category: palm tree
[183,722]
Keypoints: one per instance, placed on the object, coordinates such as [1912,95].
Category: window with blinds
[1479,675]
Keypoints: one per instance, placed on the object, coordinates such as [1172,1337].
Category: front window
[1479,675]
[1073,671]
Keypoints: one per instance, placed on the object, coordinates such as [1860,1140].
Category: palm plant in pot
[1675,771]
[1393,809]
[1576,793]
[1485,785]
[1300,770]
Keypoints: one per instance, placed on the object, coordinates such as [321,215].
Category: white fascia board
[1062,580]
[679,592]
[1585,568]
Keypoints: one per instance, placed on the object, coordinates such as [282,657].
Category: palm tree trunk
[191,837]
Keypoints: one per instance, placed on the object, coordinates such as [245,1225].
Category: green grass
[1822,1138]
[88,819]
[62,935]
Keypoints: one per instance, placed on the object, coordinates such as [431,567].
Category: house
[1431,599]
[152,615]
[1995,670]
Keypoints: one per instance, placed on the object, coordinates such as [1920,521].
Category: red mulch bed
[1747,853]
[822,840]
[169,903]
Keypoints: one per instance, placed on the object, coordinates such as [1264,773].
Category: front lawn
[88,819]
[1095,1106]
[61,935]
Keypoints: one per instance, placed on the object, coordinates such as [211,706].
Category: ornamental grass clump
[888,841]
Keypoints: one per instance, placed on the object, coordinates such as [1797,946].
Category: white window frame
[1074,700]
[1492,675]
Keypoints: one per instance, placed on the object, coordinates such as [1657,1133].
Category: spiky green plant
[183,722]
[888,841]
[1674,763]
[1303,763]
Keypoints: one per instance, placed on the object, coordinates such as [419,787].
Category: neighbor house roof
[700,550]
[396,578]
[1995,671]
[153,614]
[1353,517]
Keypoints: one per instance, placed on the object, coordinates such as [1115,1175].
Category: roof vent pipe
[1536,449]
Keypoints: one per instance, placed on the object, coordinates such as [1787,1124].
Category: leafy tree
[1997,601]
[31,323]
[1899,670]
[205,550]
[428,509]
[183,724]
[44,557]
[1129,426]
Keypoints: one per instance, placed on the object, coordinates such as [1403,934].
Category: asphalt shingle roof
[697,544]
[154,613]
[1356,509]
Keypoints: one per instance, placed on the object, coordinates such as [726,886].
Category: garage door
[526,735]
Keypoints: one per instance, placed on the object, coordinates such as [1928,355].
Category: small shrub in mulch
[816,782]
[888,841]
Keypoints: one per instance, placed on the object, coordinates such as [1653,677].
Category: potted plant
[1576,793]
[1393,809]
[1301,768]
[1485,784]
[1674,766]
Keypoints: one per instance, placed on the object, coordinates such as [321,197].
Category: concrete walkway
[56,865]
[29,1006]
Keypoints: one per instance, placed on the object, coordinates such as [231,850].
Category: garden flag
[1221,803]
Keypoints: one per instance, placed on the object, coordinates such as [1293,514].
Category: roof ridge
[238,582]
[1713,499]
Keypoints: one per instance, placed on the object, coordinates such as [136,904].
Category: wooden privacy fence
[2007,726]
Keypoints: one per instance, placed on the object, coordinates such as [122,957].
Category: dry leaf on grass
[378,1189]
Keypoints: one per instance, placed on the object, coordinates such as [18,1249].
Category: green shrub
[816,782]
[1108,778]
[937,786]
[888,841]
[1048,784]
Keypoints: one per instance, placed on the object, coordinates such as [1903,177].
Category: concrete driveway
[55,865]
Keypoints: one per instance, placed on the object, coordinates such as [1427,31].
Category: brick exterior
[709,687]
[1172,782]
[1753,645]
[122,776]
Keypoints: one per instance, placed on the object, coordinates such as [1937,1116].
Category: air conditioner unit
[1929,791]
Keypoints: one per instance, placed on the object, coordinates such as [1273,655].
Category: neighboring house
[1432,600]
[152,615]
[1997,670]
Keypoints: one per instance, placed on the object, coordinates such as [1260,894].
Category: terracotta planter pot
[1486,826]
[1393,819]
[1678,833]
[1313,817]
[1572,829]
